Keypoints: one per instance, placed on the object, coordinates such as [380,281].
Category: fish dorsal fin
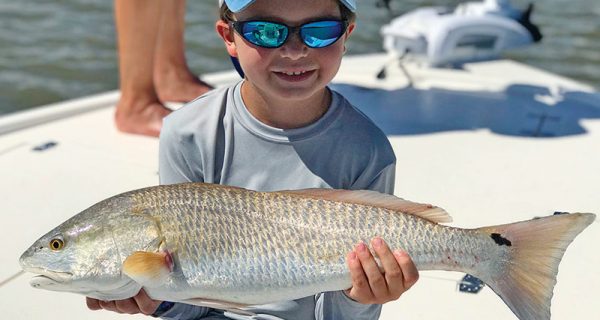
[377,199]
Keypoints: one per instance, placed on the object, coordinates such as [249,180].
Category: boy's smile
[295,76]
[289,80]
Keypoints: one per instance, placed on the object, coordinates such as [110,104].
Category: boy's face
[268,70]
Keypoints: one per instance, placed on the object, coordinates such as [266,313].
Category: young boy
[281,128]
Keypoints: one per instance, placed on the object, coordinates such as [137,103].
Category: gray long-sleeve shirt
[215,139]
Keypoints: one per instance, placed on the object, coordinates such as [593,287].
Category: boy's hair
[227,15]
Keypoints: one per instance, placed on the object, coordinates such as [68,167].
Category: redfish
[229,247]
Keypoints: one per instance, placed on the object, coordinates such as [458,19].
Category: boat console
[473,31]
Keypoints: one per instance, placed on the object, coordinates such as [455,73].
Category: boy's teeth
[295,73]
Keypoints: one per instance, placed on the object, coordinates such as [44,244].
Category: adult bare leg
[139,109]
[172,77]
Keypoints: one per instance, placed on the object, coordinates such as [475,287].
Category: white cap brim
[239,5]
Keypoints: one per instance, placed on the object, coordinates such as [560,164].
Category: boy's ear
[349,30]
[226,33]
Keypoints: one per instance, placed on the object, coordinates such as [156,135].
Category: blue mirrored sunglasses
[267,34]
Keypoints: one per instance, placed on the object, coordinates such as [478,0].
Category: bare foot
[176,86]
[140,119]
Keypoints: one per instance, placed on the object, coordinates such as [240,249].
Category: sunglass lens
[265,34]
[321,33]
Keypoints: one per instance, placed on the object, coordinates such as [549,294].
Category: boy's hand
[140,303]
[370,285]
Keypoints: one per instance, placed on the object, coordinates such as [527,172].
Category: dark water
[56,50]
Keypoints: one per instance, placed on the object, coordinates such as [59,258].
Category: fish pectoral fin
[377,199]
[232,307]
[150,269]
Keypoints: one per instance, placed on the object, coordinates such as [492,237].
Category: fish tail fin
[525,279]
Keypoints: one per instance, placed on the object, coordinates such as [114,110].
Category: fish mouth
[42,282]
[67,282]
[46,278]
[47,283]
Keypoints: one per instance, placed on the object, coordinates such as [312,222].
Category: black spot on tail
[500,240]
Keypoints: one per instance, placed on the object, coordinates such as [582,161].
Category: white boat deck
[493,143]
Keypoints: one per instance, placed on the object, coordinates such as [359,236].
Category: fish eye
[56,244]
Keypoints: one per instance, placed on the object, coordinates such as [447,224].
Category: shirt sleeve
[173,166]
[384,181]
[336,305]
[181,311]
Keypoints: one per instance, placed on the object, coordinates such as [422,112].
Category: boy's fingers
[128,306]
[372,271]
[146,305]
[393,272]
[92,304]
[360,291]
[109,305]
[409,270]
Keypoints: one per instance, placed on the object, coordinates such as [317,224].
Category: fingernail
[377,242]
[361,247]
[399,253]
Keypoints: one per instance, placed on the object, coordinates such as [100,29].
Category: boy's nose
[294,48]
